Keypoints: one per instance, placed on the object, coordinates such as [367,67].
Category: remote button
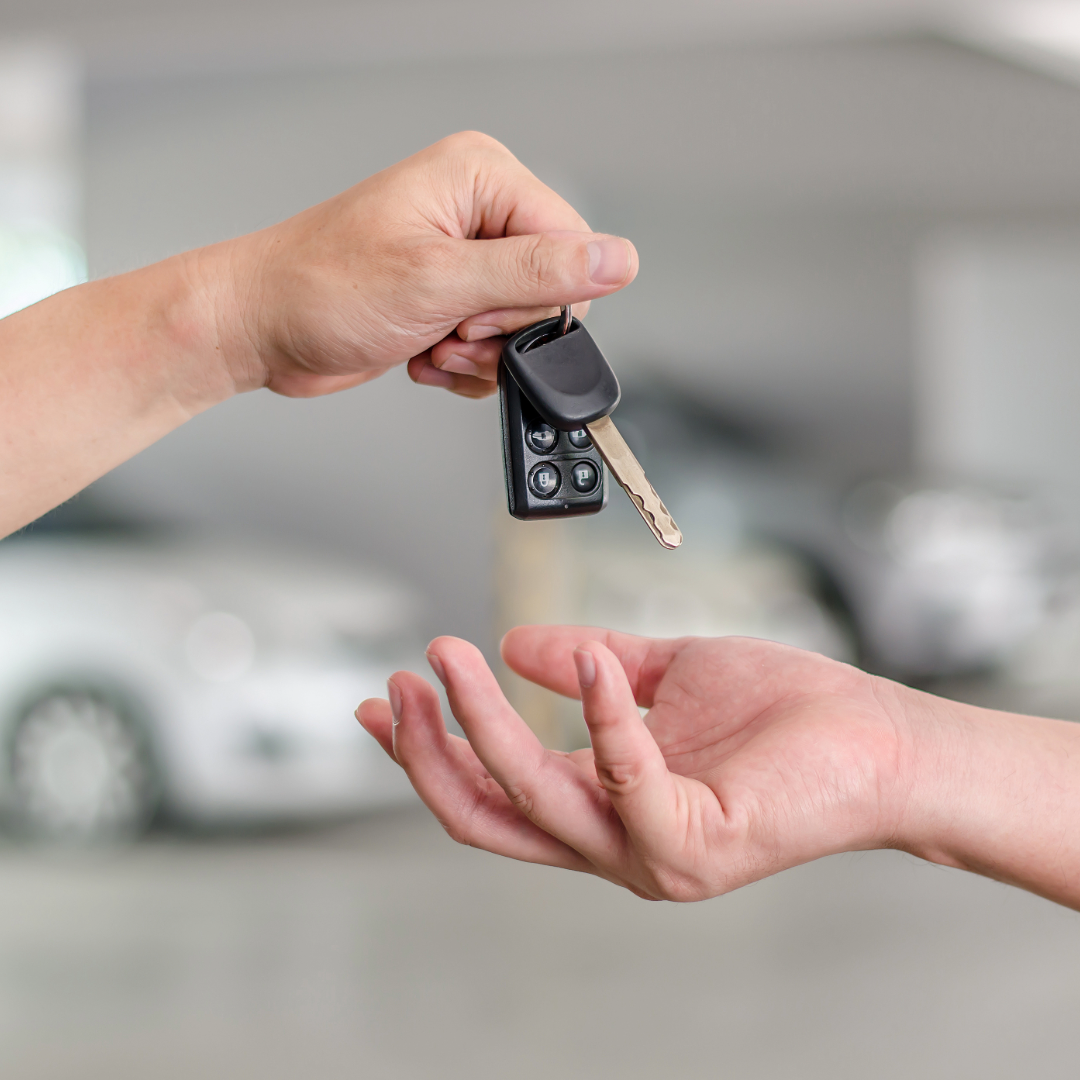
[579,439]
[545,480]
[542,438]
[584,476]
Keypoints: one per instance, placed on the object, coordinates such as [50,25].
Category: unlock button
[584,476]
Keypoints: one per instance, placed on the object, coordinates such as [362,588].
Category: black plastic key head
[565,376]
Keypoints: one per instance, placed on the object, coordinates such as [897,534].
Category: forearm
[997,794]
[95,374]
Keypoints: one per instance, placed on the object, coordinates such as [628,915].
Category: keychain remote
[549,473]
[557,393]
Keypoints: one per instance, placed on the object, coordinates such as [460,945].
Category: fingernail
[460,365]
[394,694]
[478,333]
[609,261]
[436,666]
[586,667]
[432,376]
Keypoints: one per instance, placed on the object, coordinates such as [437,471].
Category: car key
[549,473]
[557,368]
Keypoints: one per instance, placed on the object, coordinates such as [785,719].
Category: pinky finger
[377,720]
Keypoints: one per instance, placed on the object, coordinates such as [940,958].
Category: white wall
[41,114]
[41,102]
[998,378]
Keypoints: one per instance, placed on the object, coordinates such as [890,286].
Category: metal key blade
[626,469]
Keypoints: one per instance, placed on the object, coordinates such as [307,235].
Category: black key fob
[549,472]
[558,393]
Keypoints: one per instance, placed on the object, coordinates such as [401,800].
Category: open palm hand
[752,757]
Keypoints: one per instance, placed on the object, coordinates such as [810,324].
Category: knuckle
[538,266]
[456,832]
[677,887]
[469,141]
[683,892]
[520,799]
[461,826]
[618,778]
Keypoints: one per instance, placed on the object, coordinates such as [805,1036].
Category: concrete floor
[378,949]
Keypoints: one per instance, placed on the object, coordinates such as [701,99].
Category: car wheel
[80,770]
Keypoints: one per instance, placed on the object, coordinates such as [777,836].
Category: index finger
[488,323]
[545,655]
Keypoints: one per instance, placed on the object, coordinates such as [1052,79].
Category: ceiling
[139,39]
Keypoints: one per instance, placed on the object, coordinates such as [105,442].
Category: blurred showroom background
[851,366]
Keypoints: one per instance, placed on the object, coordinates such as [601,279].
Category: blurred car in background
[942,580]
[929,580]
[213,684]
[756,589]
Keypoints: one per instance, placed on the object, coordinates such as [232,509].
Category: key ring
[567,319]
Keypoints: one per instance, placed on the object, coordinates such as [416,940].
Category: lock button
[545,480]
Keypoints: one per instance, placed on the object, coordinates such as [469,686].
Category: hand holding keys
[554,379]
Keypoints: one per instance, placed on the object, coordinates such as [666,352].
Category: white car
[207,683]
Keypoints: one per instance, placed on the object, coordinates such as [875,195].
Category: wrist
[943,740]
[213,351]
[996,794]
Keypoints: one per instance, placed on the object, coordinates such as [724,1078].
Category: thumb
[628,762]
[539,270]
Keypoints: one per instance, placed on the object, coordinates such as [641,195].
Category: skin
[428,263]
[753,757]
